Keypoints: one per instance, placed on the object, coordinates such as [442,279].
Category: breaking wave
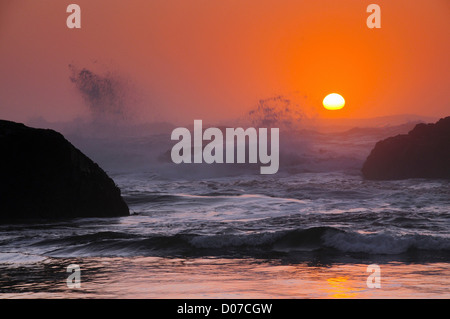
[266,244]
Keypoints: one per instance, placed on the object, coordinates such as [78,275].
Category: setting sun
[333,101]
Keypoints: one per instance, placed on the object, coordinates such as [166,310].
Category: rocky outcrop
[422,153]
[42,175]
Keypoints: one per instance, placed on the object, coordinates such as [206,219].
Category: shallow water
[158,277]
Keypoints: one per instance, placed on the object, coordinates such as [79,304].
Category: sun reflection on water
[342,287]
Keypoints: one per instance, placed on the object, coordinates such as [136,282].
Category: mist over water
[147,148]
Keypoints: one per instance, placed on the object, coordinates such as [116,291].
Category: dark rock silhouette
[422,153]
[42,175]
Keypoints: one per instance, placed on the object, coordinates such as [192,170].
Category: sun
[333,102]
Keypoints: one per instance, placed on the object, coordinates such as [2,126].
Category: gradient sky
[213,60]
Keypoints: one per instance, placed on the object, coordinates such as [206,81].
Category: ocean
[309,231]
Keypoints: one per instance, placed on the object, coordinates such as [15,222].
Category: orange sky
[213,60]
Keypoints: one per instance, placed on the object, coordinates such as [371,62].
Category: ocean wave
[264,243]
[86,238]
[19,258]
[384,243]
